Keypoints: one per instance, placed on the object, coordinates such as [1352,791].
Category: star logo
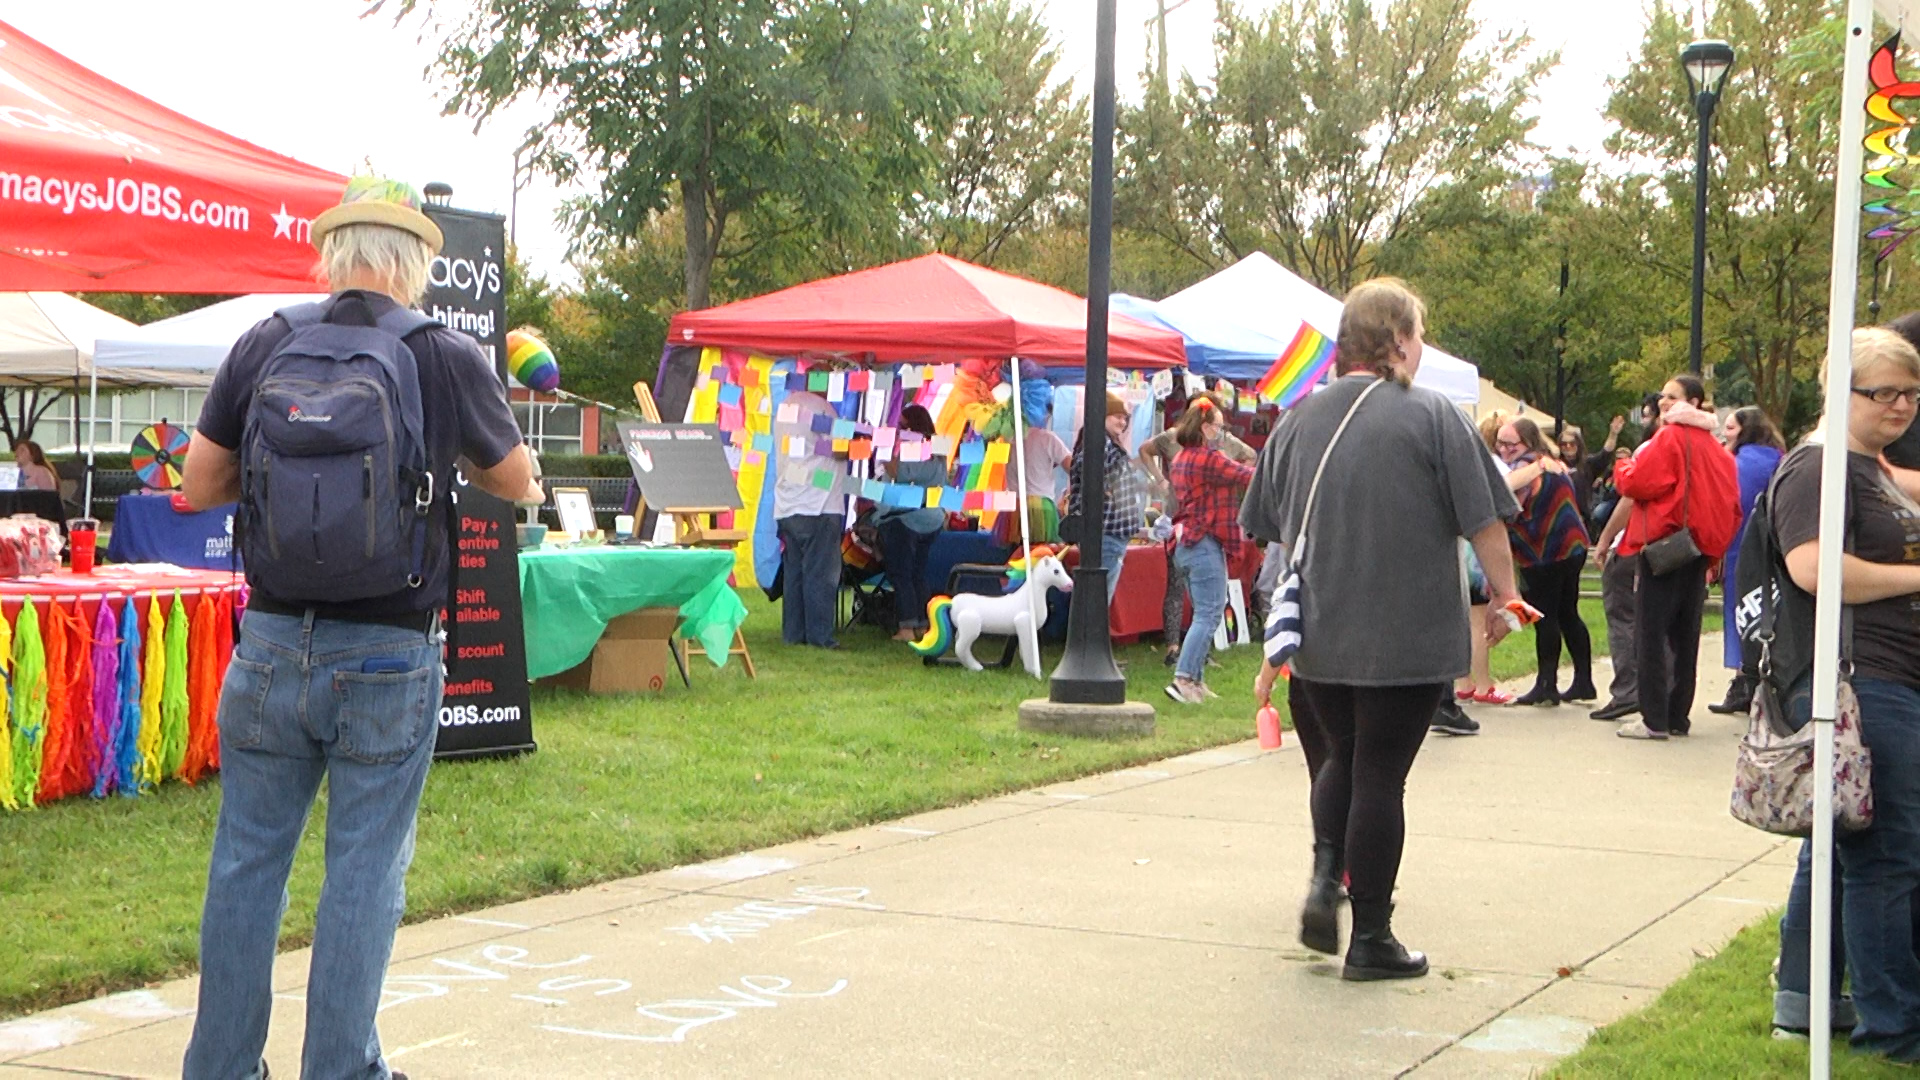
[283,223]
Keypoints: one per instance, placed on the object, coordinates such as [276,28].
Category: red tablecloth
[1135,608]
[117,581]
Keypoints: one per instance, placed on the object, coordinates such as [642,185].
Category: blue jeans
[810,597]
[297,706]
[1792,1007]
[1882,873]
[1113,552]
[1206,567]
[905,552]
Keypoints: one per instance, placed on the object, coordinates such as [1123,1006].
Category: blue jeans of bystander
[1792,1006]
[810,590]
[1113,552]
[302,702]
[1206,566]
[1882,875]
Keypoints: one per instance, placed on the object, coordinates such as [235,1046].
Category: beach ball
[531,362]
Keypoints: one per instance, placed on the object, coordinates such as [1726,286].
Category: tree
[760,118]
[1770,192]
[1328,124]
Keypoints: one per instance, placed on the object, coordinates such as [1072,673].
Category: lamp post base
[1087,674]
[1129,719]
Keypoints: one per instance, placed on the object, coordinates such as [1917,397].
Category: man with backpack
[336,427]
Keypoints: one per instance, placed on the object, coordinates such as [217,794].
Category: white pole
[93,425]
[1843,295]
[1020,485]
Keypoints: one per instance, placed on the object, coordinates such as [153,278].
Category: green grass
[1715,1022]
[99,896]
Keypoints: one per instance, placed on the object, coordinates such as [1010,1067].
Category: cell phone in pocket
[385,665]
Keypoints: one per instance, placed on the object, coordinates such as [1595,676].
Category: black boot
[1373,953]
[1541,694]
[1320,915]
[1581,690]
[1739,698]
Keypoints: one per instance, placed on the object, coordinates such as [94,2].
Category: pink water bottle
[1267,723]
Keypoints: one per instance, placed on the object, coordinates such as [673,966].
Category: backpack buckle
[423,495]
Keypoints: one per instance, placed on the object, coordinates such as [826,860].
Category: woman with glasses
[1549,548]
[1880,584]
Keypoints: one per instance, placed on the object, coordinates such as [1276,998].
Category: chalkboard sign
[487,708]
[680,466]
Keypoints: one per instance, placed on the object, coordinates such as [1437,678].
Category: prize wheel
[159,453]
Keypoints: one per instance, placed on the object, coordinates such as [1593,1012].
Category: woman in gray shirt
[1383,604]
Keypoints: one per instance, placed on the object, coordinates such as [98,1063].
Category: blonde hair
[1491,424]
[398,259]
[1875,345]
[1378,313]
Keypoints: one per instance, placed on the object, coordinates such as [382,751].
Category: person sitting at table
[907,533]
[35,473]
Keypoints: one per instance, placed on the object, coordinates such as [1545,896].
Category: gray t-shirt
[1382,595]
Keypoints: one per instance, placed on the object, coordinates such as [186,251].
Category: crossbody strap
[1313,489]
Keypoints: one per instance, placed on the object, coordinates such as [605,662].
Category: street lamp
[1706,64]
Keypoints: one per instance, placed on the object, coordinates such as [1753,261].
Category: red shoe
[1463,695]
[1494,696]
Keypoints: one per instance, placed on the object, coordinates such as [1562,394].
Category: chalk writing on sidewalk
[402,988]
[670,1021]
[748,919]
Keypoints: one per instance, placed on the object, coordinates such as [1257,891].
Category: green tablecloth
[568,595]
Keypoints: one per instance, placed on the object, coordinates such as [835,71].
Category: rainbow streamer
[54,767]
[203,690]
[126,758]
[86,756]
[106,703]
[6,716]
[173,694]
[29,705]
[153,676]
[1305,361]
[1888,87]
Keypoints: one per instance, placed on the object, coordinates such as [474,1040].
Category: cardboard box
[634,655]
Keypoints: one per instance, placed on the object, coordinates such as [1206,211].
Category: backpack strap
[402,322]
[312,314]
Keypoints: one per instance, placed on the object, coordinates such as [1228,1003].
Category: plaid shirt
[1126,491]
[1208,487]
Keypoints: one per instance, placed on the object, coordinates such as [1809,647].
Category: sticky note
[873,489]
[882,453]
[972,452]
[754,457]
[837,386]
[750,376]
[975,500]
[933,498]
[943,446]
[730,394]
[842,429]
[860,449]
[763,443]
[901,495]
[796,447]
[885,436]
[789,413]
[859,381]
[952,499]
[817,381]
[823,479]
[998,453]
[910,377]
[840,446]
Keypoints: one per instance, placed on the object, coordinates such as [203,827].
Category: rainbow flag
[1303,363]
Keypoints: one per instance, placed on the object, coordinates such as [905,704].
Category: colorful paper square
[823,479]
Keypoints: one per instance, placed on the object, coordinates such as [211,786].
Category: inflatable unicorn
[959,621]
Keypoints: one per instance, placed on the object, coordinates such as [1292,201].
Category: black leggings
[1666,627]
[1360,742]
[1554,588]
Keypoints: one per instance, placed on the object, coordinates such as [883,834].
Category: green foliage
[144,308]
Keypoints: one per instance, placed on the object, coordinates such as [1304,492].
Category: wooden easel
[692,529]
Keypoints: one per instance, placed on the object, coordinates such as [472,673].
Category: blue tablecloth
[146,528]
[951,548]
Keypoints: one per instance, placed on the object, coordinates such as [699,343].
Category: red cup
[82,533]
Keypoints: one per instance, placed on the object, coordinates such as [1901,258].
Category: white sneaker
[1639,730]
[1184,692]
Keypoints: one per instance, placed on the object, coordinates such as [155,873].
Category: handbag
[1285,621]
[1675,550]
[1773,773]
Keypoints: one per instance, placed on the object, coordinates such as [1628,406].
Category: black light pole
[1706,64]
[1559,360]
[1087,674]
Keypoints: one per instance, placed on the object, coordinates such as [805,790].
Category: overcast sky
[312,79]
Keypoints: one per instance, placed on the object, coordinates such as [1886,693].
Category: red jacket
[1653,480]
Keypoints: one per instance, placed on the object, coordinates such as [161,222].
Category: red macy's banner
[102,190]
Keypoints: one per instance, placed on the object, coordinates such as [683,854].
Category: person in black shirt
[346,692]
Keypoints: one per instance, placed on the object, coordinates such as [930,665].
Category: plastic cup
[82,533]
[623,525]
[1267,723]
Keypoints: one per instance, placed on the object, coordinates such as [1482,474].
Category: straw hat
[372,200]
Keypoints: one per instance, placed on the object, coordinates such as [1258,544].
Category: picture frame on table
[574,507]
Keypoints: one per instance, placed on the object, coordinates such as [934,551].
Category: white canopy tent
[1842,301]
[182,351]
[48,338]
[1259,294]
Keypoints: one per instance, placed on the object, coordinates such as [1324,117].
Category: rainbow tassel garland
[127,740]
[29,705]
[173,692]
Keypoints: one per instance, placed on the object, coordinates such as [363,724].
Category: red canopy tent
[103,190]
[930,308]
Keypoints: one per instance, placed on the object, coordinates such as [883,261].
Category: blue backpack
[335,486]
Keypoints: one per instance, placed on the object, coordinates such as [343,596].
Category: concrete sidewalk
[1141,922]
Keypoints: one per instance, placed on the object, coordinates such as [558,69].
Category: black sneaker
[1451,719]
[1615,710]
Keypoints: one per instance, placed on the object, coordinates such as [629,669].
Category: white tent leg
[93,428]
[1020,485]
[1842,297]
